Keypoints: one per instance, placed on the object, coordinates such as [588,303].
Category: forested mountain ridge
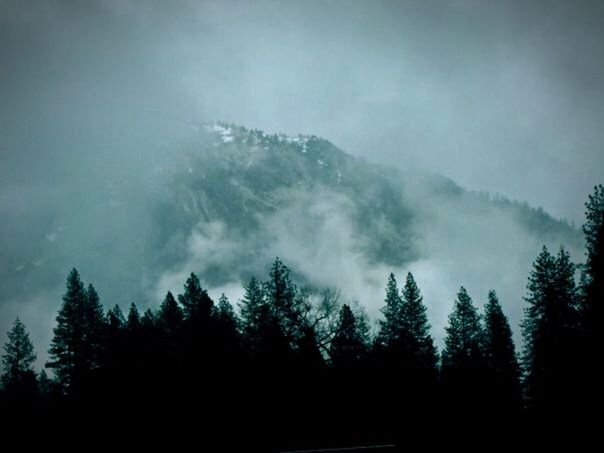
[232,197]
[226,200]
[282,345]
[249,180]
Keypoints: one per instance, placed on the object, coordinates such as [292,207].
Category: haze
[505,97]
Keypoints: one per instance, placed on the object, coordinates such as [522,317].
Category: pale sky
[500,96]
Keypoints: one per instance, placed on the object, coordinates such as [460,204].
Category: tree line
[273,365]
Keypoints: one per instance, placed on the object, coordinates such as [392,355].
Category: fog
[500,96]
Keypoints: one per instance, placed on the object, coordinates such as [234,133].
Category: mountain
[227,200]
[250,187]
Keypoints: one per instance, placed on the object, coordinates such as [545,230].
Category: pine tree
[139,347]
[18,379]
[195,301]
[115,341]
[390,338]
[95,329]
[419,345]
[133,339]
[349,347]
[149,340]
[363,325]
[281,296]
[594,267]
[257,318]
[198,331]
[133,323]
[253,307]
[170,317]
[540,291]
[463,362]
[225,316]
[115,319]
[170,324]
[68,347]
[464,334]
[504,388]
[551,333]
[148,321]
[592,301]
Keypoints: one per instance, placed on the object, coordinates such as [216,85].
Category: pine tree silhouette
[463,362]
[133,322]
[349,348]
[255,316]
[170,318]
[504,388]
[115,358]
[420,352]
[594,268]
[19,379]
[169,322]
[592,302]
[68,350]
[196,302]
[228,350]
[192,354]
[280,294]
[94,329]
[551,332]
[389,338]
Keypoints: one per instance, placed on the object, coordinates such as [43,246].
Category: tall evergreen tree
[551,331]
[253,309]
[133,338]
[391,327]
[463,362]
[390,355]
[281,295]
[18,379]
[95,329]
[504,387]
[114,335]
[170,324]
[148,321]
[140,348]
[195,301]
[225,316]
[68,347]
[149,348]
[133,322]
[198,329]
[464,334]
[170,317]
[349,347]
[592,301]
[594,267]
[261,329]
[420,351]
[115,318]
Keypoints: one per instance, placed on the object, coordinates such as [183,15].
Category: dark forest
[287,367]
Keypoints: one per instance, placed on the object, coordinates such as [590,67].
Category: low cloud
[460,242]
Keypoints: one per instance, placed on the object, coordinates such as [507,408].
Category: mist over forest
[350,141]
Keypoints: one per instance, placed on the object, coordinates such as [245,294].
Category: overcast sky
[501,96]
